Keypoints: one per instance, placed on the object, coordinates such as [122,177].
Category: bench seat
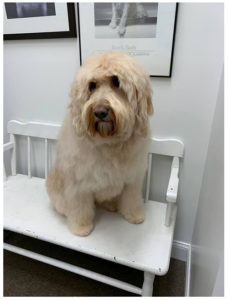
[146,246]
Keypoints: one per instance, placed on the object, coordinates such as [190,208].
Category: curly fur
[103,162]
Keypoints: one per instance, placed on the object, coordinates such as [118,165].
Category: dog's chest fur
[105,170]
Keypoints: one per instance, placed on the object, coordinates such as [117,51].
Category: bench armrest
[171,195]
[8,146]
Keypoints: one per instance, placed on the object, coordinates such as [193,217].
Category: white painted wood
[147,289]
[170,147]
[171,195]
[29,155]
[188,272]
[13,155]
[4,173]
[8,146]
[153,237]
[148,181]
[46,157]
[168,214]
[34,129]
[74,269]
[172,190]
[180,250]
[145,246]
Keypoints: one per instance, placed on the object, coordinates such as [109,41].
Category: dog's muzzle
[100,119]
[101,111]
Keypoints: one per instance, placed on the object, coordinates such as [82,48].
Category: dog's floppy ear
[78,94]
[144,106]
[150,107]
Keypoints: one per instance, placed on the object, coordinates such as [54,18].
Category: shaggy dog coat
[102,146]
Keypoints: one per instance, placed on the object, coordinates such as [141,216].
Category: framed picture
[38,20]
[145,31]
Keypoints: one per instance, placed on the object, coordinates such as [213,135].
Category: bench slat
[34,129]
[13,155]
[148,179]
[29,156]
[46,157]
[169,146]
[74,269]
[146,246]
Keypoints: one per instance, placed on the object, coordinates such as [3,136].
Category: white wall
[207,263]
[38,75]
[185,103]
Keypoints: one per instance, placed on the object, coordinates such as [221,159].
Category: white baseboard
[182,251]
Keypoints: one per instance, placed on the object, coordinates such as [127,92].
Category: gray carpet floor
[27,277]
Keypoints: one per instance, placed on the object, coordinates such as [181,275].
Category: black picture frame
[172,49]
[173,44]
[50,35]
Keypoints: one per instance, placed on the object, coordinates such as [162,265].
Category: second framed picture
[38,20]
[145,31]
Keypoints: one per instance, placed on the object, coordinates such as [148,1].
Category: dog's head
[111,98]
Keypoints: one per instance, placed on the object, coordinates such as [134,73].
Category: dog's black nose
[101,111]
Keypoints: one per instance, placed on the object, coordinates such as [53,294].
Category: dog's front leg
[81,214]
[130,203]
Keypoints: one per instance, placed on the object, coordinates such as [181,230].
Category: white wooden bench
[146,247]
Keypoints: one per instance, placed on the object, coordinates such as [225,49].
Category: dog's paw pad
[81,230]
[135,218]
[110,206]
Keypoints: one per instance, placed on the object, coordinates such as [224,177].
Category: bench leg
[147,289]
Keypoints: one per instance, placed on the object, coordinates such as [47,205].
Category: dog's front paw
[110,205]
[134,217]
[81,230]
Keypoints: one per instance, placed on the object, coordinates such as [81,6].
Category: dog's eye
[92,86]
[115,81]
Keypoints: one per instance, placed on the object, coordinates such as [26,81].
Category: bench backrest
[169,146]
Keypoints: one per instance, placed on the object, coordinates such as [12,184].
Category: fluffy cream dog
[102,146]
